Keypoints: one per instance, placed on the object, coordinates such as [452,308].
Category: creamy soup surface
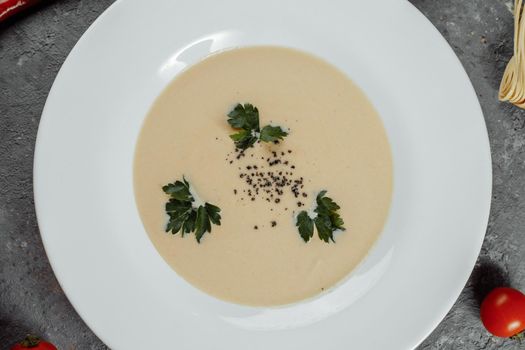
[336,142]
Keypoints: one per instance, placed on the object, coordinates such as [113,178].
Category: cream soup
[336,142]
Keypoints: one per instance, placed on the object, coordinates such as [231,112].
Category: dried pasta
[512,86]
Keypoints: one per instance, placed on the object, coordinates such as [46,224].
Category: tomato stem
[30,341]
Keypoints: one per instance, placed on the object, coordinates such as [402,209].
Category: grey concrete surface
[34,45]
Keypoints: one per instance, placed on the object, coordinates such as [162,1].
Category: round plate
[95,240]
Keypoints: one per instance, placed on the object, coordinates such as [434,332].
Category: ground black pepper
[268,184]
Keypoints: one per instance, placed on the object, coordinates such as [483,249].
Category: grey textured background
[34,45]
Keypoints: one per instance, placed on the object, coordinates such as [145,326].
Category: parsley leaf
[202,223]
[179,190]
[326,222]
[184,216]
[244,139]
[245,118]
[272,133]
[324,228]
[213,213]
[305,224]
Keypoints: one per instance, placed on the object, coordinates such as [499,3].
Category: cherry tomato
[11,7]
[503,312]
[33,343]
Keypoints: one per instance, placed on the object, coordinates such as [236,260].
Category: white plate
[110,270]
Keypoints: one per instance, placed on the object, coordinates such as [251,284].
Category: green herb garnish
[272,133]
[184,216]
[327,220]
[245,118]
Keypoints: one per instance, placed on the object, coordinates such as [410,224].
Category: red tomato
[11,7]
[503,312]
[33,343]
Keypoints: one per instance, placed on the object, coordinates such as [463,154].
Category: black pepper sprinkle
[272,184]
[274,223]
[255,227]
[234,191]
